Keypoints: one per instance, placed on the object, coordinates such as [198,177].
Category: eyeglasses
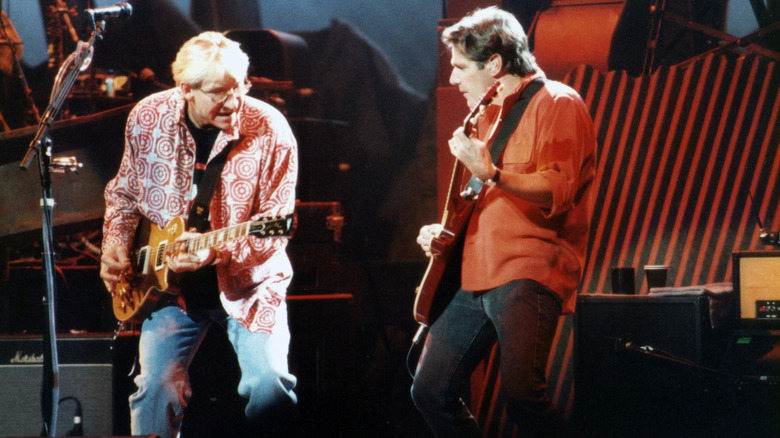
[222,96]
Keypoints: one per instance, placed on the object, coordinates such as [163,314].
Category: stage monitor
[757,289]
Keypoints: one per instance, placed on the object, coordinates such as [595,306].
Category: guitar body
[442,277]
[141,287]
[148,278]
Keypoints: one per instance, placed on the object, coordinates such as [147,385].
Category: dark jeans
[523,316]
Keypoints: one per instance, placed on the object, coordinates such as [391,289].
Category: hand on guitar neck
[473,153]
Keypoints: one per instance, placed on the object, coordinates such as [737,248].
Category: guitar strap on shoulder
[199,212]
[506,129]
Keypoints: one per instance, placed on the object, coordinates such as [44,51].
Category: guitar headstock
[280,226]
[476,111]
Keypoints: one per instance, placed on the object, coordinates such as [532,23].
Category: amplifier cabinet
[637,366]
[85,376]
[322,356]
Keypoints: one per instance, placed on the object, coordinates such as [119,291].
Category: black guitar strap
[199,212]
[507,128]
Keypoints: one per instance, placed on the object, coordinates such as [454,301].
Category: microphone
[120,10]
[770,238]
[765,237]
[618,343]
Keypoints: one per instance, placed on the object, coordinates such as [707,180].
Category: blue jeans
[523,316]
[169,339]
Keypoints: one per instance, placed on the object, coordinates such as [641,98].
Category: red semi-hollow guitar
[442,277]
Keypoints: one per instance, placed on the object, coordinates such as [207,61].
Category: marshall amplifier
[85,382]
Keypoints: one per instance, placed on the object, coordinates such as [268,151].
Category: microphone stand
[79,60]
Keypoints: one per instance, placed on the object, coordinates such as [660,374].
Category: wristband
[493,181]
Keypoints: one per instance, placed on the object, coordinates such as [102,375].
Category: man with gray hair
[172,140]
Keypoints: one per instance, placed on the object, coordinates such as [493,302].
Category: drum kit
[102,87]
[59,28]
[10,54]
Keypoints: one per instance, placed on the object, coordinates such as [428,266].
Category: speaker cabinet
[322,357]
[564,36]
[638,361]
[86,378]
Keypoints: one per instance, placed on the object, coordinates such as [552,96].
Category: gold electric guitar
[147,279]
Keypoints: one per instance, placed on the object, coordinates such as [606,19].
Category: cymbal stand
[764,42]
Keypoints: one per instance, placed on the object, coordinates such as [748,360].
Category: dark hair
[490,31]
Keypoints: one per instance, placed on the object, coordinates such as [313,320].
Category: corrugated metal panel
[679,151]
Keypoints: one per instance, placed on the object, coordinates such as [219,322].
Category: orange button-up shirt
[510,239]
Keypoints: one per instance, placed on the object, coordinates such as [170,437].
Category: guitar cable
[422,331]
[78,427]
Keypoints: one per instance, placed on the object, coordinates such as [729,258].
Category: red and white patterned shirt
[258,181]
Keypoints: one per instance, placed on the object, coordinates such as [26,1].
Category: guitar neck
[459,169]
[261,228]
[215,238]
[453,190]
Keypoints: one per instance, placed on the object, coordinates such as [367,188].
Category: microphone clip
[770,238]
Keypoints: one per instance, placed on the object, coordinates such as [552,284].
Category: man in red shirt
[526,240]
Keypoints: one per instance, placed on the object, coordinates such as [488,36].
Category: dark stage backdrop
[679,151]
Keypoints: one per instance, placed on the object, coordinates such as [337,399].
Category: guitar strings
[202,241]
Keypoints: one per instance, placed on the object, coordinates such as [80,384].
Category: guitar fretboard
[152,256]
[215,238]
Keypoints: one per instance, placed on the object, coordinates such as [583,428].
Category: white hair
[208,57]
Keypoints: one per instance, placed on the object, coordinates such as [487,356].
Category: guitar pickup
[159,261]
[142,263]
